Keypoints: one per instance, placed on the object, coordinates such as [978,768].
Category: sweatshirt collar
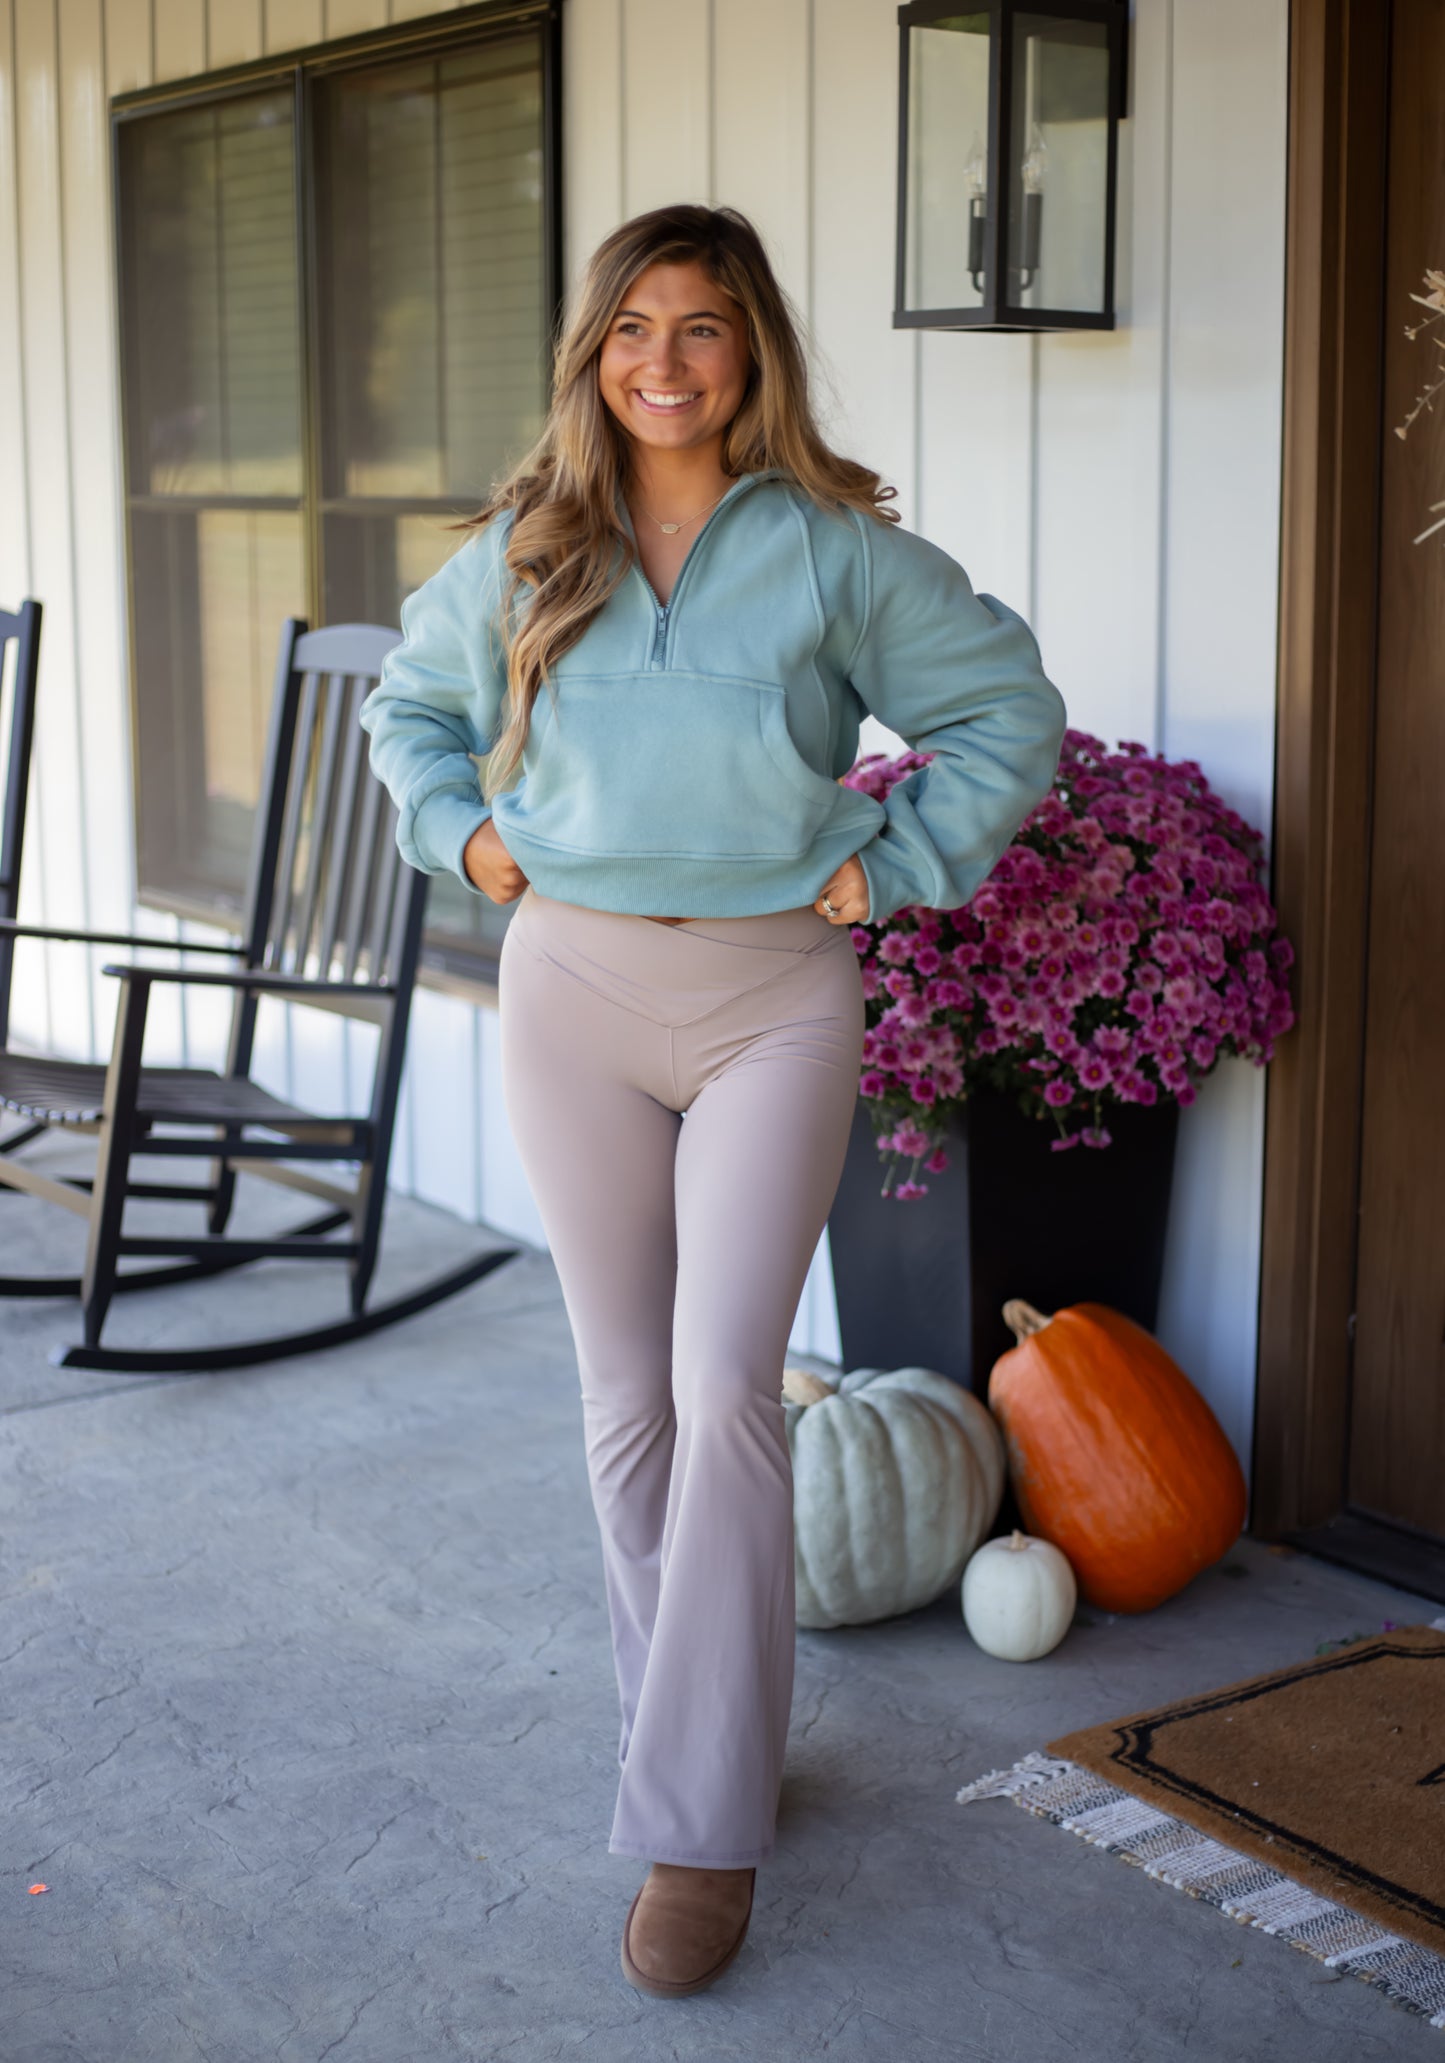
[736,489]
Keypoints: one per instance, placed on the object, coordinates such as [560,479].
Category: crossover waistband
[671,973]
[774,930]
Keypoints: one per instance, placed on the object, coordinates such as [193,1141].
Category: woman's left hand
[847,891]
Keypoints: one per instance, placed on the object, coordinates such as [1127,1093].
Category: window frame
[447,963]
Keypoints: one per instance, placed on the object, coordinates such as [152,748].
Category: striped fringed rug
[1248,1891]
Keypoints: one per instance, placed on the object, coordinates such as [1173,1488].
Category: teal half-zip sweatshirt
[688,764]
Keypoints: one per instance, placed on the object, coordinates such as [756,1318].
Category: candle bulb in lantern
[976,174]
[1031,172]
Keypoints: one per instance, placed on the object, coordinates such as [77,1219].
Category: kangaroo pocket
[669,765]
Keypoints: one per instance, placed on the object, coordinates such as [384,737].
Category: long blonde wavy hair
[565,536]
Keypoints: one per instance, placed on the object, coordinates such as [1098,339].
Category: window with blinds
[337,288]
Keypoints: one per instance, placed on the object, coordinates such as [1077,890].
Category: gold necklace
[669,528]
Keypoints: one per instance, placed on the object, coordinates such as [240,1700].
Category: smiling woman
[712,599]
[682,363]
[675,374]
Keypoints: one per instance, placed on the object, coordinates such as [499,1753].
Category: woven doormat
[1309,1802]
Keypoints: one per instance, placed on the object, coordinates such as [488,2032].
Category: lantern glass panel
[1059,170]
[947,172]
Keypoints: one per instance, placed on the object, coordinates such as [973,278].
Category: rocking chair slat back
[339,886]
[318,855]
[339,902]
[289,791]
[364,889]
[387,901]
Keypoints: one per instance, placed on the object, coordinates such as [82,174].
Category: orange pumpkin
[1113,1454]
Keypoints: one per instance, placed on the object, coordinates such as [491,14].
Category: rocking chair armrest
[16,929]
[252,978]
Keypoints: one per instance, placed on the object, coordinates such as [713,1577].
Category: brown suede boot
[684,1927]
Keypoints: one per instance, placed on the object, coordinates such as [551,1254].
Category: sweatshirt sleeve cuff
[441,828]
[888,888]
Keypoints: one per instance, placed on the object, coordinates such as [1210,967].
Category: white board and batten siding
[1122,489]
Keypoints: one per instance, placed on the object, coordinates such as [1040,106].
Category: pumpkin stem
[1022,1320]
[1019,1541]
[801,1386]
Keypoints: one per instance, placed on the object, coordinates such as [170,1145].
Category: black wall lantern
[1008,121]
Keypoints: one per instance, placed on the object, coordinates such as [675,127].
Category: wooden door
[1396,1447]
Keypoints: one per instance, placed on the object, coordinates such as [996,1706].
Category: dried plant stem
[1434,300]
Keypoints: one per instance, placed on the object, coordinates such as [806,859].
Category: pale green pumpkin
[897,1476]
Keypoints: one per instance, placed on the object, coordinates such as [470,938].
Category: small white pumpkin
[1018,1597]
[897,1476]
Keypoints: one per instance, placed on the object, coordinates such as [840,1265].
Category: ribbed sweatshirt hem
[681,885]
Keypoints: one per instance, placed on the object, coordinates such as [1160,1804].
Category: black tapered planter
[1084,1226]
[923,1284]
[900,1270]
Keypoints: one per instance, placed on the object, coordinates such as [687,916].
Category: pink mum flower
[909,1139]
[947,994]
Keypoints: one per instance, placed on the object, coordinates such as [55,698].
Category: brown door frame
[1334,268]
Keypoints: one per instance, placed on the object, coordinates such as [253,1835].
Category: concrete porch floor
[309,1726]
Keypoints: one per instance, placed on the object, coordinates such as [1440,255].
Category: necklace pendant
[671,527]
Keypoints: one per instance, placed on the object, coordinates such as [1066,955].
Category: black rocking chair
[332,918]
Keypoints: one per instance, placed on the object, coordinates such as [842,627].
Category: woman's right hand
[490,867]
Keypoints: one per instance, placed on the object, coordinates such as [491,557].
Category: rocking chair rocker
[332,919]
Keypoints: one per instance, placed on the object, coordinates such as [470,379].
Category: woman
[711,599]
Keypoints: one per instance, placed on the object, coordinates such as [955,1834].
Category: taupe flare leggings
[681,1097]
